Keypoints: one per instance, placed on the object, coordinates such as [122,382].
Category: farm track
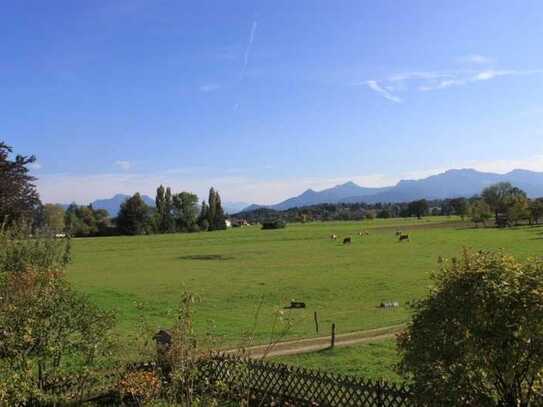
[307,345]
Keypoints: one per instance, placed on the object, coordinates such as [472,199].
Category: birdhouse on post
[163,339]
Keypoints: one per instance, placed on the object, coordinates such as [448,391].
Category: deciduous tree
[133,217]
[54,217]
[504,199]
[477,338]
[479,212]
[418,208]
[185,211]
[215,213]
[18,195]
[535,208]
[48,331]
[459,207]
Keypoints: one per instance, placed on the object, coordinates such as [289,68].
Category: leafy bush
[48,331]
[477,338]
[18,252]
[274,224]
[139,387]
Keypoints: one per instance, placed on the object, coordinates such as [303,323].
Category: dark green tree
[535,208]
[185,211]
[82,221]
[18,196]
[418,208]
[134,216]
[215,215]
[165,221]
[160,205]
[212,207]
[459,206]
[203,221]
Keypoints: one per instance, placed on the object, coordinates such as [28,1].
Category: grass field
[375,360]
[239,271]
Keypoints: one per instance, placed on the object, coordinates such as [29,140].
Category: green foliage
[83,221]
[535,209]
[134,216]
[54,218]
[215,213]
[480,212]
[48,331]
[371,214]
[418,208]
[459,206]
[274,224]
[18,196]
[203,221]
[185,211]
[165,222]
[477,338]
[508,203]
[19,253]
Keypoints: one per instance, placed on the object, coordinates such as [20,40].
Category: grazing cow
[347,240]
[333,237]
[398,233]
[403,237]
[363,233]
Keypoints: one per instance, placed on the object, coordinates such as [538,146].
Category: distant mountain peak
[449,184]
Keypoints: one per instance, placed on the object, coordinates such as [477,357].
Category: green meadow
[243,277]
[374,360]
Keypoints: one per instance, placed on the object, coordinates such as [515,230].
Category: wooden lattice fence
[264,383]
[296,386]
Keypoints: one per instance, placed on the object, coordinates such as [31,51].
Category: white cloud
[209,87]
[533,163]
[35,165]
[424,81]
[123,165]
[374,85]
[476,59]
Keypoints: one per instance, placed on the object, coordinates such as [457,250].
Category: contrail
[248,49]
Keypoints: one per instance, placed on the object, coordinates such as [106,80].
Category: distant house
[238,223]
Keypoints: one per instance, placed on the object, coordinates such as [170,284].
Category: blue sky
[263,99]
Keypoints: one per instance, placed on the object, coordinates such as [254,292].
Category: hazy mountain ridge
[113,205]
[450,184]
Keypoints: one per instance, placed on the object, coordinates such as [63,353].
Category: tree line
[174,212]
[504,203]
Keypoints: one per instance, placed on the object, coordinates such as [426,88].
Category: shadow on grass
[206,257]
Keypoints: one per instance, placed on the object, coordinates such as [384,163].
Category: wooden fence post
[333,343]
[316,322]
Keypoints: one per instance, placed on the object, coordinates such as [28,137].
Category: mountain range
[450,184]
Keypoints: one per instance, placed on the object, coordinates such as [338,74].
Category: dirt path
[319,343]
